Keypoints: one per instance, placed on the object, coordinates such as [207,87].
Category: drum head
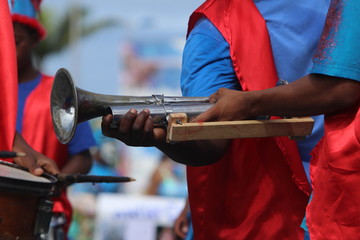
[18,179]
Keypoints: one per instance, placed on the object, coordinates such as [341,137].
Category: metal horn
[71,105]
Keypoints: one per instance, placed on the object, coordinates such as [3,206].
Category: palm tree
[59,29]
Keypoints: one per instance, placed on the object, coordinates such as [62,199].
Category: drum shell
[19,204]
[18,215]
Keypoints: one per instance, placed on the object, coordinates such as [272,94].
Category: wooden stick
[79,178]
[180,130]
[7,154]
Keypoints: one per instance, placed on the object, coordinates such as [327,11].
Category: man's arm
[78,164]
[138,130]
[314,94]
[34,161]
[80,160]
[311,95]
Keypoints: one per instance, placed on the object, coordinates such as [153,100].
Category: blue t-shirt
[24,91]
[294,29]
[83,138]
[338,54]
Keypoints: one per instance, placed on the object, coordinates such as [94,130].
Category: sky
[157,27]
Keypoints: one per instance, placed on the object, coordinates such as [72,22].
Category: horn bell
[71,105]
[64,106]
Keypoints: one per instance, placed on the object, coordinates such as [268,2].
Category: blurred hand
[135,129]
[181,225]
[34,161]
[229,105]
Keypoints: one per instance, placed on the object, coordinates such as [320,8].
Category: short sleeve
[338,53]
[83,139]
[207,65]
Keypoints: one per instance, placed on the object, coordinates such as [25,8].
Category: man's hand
[138,130]
[229,105]
[34,161]
[135,129]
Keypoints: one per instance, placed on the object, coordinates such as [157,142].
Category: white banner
[134,217]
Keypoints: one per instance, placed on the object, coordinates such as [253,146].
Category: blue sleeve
[24,90]
[338,53]
[207,65]
[83,139]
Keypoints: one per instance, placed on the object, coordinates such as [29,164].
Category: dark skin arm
[34,161]
[311,95]
[137,130]
[78,164]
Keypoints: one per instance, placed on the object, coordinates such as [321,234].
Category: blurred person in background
[34,118]
[182,225]
[168,179]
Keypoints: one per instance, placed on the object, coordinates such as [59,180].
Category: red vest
[258,189]
[8,79]
[334,211]
[38,131]
[37,127]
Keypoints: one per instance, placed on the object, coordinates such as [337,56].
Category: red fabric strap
[8,79]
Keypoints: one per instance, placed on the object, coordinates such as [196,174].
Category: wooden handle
[180,130]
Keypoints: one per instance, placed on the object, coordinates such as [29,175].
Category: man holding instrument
[11,140]
[34,117]
[249,188]
[332,88]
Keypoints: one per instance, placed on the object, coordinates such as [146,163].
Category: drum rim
[27,187]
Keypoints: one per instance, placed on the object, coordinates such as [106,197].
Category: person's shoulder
[206,28]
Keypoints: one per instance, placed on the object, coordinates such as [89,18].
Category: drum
[25,206]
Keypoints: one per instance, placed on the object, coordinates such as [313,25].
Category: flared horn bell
[71,105]
[64,106]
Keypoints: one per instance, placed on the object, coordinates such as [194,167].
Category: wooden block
[175,119]
[293,127]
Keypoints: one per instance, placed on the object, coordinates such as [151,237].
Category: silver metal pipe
[160,112]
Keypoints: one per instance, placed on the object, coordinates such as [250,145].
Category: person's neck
[27,74]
